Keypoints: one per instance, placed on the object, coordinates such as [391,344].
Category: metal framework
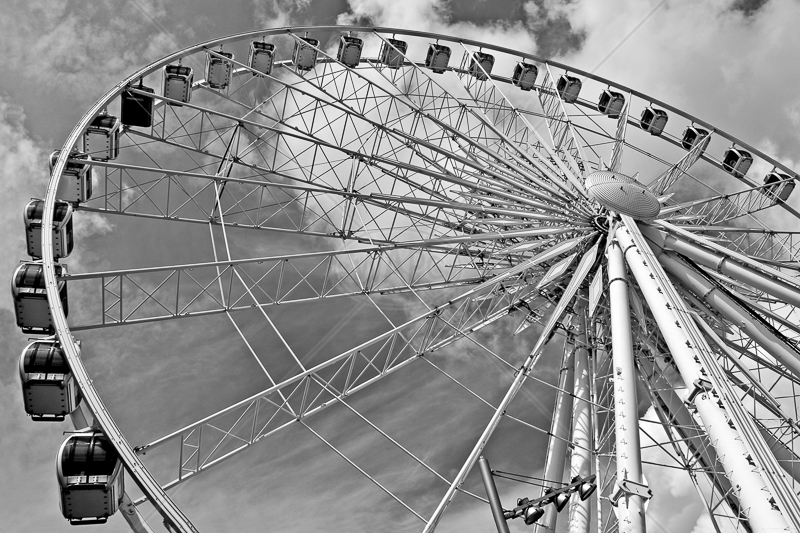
[391,210]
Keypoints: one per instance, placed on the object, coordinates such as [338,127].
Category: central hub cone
[623,194]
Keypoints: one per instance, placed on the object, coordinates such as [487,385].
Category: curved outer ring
[136,469]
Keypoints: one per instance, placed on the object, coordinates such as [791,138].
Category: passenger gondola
[780,186]
[525,75]
[737,161]
[480,65]
[611,103]
[218,69]
[178,81]
[304,56]
[349,52]
[392,52]
[49,390]
[75,185]
[653,120]
[437,58]
[90,478]
[62,228]
[101,138]
[261,57]
[136,110]
[692,136]
[569,87]
[30,297]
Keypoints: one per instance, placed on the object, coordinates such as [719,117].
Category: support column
[731,310]
[721,263]
[582,441]
[626,413]
[559,433]
[753,493]
[673,407]
[494,498]
[738,464]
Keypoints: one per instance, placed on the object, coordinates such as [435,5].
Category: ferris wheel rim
[61,326]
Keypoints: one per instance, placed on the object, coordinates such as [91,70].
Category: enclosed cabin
[480,65]
[136,106]
[30,297]
[101,138]
[62,228]
[779,186]
[49,390]
[525,75]
[692,136]
[218,69]
[393,52]
[653,120]
[737,161]
[438,57]
[611,103]
[304,56]
[75,185]
[178,81]
[569,87]
[349,52]
[261,57]
[90,478]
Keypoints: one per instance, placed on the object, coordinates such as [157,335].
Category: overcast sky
[732,63]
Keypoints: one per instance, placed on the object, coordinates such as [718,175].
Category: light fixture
[532,514]
[561,499]
[585,490]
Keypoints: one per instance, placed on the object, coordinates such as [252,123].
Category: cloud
[436,16]
[703,524]
[65,55]
[76,53]
[279,13]
[731,78]
[732,72]
[23,165]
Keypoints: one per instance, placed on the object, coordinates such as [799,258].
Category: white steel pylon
[672,318]
[396,187]
[632,492]
[559,433]
[582,437]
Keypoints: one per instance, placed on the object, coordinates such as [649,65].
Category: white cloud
[700,56]
[703,524]
[707,58]
[23,165]
[81,48]
[435,16]
[278,13]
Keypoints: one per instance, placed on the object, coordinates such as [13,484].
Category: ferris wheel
[363,225]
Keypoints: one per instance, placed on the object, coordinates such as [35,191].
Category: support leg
[559,433]
[753,492]
[494,497]
[626,415]
[582,441]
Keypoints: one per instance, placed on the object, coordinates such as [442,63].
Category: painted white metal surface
[582,436]
[731,310]
[581,272]
[161,499]
[683,351]
[739,467]
[725,264]
[626,416]
[557,445]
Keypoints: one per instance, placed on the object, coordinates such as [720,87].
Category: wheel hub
[623,194]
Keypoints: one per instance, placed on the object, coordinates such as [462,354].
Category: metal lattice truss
[445,204]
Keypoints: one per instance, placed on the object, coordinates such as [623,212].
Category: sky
[732,63]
